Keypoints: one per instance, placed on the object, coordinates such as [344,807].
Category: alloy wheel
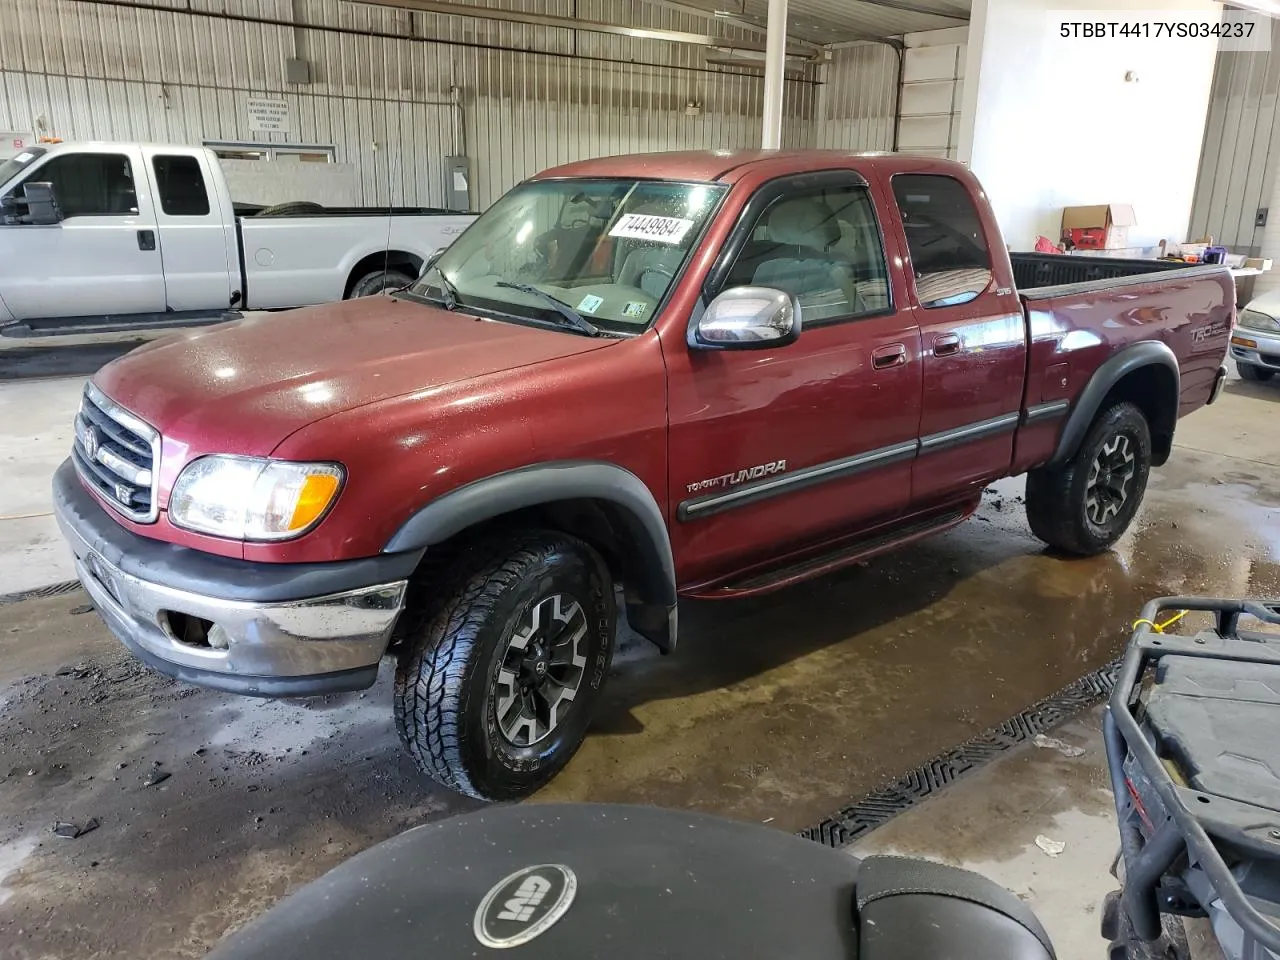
[1110,474]
[542,670]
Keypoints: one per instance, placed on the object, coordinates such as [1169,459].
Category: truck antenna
[386,249]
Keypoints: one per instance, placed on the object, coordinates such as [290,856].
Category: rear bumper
[279,630]
[1264,353]
[1219,382]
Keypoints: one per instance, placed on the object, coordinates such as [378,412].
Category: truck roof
[117,144]
[710,165]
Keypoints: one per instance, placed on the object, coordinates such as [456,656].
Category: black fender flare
[653,611]
[1112,371]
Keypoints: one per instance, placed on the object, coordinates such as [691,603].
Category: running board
[848,554]
[82,326]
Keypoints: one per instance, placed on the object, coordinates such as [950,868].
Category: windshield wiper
[576,320]
[450,297]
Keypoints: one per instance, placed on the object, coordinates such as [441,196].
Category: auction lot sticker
[642,226]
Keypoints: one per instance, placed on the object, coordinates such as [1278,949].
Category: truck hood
[245,386]
[1268,304]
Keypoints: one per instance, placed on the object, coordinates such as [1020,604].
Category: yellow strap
[1160,627]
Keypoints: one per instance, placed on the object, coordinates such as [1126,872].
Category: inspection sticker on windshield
[635,309]
[642,226]
[590,303]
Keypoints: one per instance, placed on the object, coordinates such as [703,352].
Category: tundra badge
[741,476]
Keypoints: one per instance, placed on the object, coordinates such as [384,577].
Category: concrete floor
[989,823]
[779,710]
[35,436]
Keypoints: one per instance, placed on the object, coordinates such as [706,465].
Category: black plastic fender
[1111,372]
[652,612]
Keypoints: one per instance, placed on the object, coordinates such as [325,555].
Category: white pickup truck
[107,237]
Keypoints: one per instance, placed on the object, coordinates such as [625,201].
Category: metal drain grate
[886,802]
[40,593]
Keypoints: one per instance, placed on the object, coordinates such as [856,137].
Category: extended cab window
[945,237]
[14,165]
[822,246]
[91,184]
[181,186]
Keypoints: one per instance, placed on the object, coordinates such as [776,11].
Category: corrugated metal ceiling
[814,21]
[836,21]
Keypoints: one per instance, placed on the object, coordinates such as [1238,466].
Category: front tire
[1083,506]
[1254,374]
[496,687]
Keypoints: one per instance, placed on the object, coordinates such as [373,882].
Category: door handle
[890,355]
[946,345]
[146,239]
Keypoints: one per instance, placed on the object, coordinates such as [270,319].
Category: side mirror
[42,204]
[747,318]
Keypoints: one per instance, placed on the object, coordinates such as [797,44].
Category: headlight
[249,498]
[1253,320]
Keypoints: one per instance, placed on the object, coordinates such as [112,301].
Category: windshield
[10,168]
[608,249]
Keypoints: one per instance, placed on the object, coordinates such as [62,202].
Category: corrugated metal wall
[395,91]
[1241,147]
[858,99]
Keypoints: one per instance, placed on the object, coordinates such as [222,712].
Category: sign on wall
[13,143]
[268,116]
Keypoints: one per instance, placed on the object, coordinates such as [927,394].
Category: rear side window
[91,184]
[181,186]
[945,237]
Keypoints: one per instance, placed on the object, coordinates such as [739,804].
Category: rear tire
[379,281]
[1254,374]
[1083,506]
[497,682]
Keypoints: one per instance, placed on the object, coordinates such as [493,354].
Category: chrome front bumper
[1264,353]
[278,648]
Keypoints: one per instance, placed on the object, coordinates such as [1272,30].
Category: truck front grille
[116,454]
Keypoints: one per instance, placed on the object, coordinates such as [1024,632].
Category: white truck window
[91,184]
[181,186]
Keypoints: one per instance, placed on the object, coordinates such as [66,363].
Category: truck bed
[1032,271]
[1084,311]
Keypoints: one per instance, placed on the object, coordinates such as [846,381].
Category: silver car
[1255,344]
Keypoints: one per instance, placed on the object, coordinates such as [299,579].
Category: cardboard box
[1104,226]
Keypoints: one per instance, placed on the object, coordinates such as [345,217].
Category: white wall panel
[396,91]
[932,92]
[1029,123]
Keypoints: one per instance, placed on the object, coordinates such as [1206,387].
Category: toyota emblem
[91,443]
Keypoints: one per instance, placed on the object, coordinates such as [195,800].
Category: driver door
[776,450]
[103,258]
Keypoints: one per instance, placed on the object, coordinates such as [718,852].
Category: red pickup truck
[631,380]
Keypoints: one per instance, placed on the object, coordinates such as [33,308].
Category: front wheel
[1084,505]
[496,687]
[1255,374]
[379,281]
